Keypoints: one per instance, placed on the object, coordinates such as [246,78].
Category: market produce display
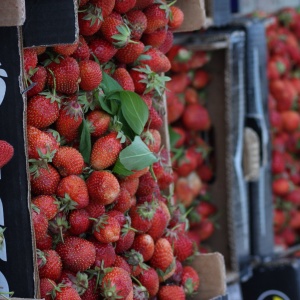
[284,85]
[104,224]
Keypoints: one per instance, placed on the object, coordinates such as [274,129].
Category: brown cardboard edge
[211,270]
[21,85]
[194,15]
[13,13]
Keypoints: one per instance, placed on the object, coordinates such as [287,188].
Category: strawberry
[116,284]
[95,210]
[135,261]
[62,292]
[147,185]
[201,79]
[106,6]
[156,38]
[191,95]
[76,254]
[149,279]
[137,174]
[182,136]
[79,221]
[106,229]
[38,78]
[130,184]
[122,76]
[152,139]
[206,209]
[105,151]
[281,186]
[144,244]
[140,292]
[69,120]
[155,121]
[44,243]
[49,264]
[123,6]
[102,49]
[58,227]
[90,75]
[44,181]
[120,262]
[99,122]
[105,254]
[147,99]
[81,3]
[178,83]
[294,222]
[168,42]
[177,276]
[290,121]
[157,16]
[175,106]
[163,259]
[187,163]
[7,152]
[40,144]
[205,229]
[40,224]
[184,192]
[63,75]
[40,49]
[48,205]
[126,239]
[169,292]
[195,117]
[46,286]
[278,162]
[293,197]
[176,17]
[92,292]
[30,59]
[66,49]
[82,52]
[90,20]
[137,22]
[73,192]
[289,236]
[141,4]
[123,201]
[116,32]
[130,52]
[156,60]
[180,58]
[142,215]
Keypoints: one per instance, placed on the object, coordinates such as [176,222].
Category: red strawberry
[120,217]
[144,244]
[195,117]
[163,259]
[278,162]
[62,292]
[147,185]
[190,280]
[157,17]
[106,6]
[155,121]
[99,121]
[44,181]
[170,292]
[123,201]
[48,205]
[90,75]
[167,44]
[187,163]
[58,227]
[66,49]
[205,229]
[46,286]
[149,279]
[49,264]
[293,197]
[182,136]
[130,184]
[82,52]
[39,78]
[123,6]
[90,20]
[44,243]
[290,121]
[201,79]
[180,58]
[136,262]
[105,254]
[40,224]
[184,192]
[120,262]
[130,53]
[106,229]
[69,120]
[294,222]
[126,239]
[79,221]
[95,210]
[152,139]
[137,22]
[156,38]
[141,4]
[116,284]
[177,276]
[175,106]
[281,186]
[176,17]
[102,49]
[157,62]
[73,192]
[105,151]
[64,76]
[147,99]
[76,254]
[6,153]
[122,76]
[92,292]
[206,209]
[30,59]
[178,83]
[116,32]
[68,161]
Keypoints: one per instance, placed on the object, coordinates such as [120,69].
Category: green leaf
[174,137]
[134,110]
[85,146]
[125,127]
[137,156]
[109,85]
[120,169]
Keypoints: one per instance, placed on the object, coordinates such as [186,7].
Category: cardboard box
[18,269]
[57,26]
[12,13]
[226,106]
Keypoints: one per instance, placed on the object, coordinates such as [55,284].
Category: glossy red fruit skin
[40,78]
[105,254]
[195,117]
[79,221]
[100,122]
[102,49]
[149,279]
[90,75]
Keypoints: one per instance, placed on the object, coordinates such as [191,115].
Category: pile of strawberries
[284,86]
[104,226]
[189,125]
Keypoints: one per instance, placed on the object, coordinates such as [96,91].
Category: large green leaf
[108,84]
[85,146]
[137,155]
[174,137]
[120,169]
[134,110]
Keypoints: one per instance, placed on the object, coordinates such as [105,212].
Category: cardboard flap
[12,13]
[211,270]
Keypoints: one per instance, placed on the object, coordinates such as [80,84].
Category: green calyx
[1,237]
[87,100]
[147,210]
[66,203]
[93,14]
[110,292]
[42,259]
[35,165]
[81,282]
[135,259]
[122,38]
[100,223]
[189,287]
